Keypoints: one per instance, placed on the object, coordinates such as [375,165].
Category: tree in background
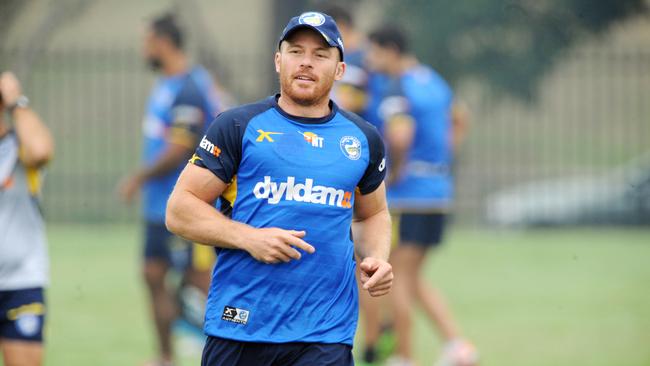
[508,44]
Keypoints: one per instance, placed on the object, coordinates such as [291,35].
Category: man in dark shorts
[25,147]
[291,171]
[417,114]
[182,103]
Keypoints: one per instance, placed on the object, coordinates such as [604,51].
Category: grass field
[533,298]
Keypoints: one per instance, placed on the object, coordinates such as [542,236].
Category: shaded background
[555,88]
[559,94]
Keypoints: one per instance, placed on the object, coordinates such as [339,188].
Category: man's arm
[168,161]
[182,137]
[372,228]
[460,115]
[400,130]
[34,138]
[191,214]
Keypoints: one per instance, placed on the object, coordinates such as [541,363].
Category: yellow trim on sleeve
[33,181]
[230,194]
[194,159]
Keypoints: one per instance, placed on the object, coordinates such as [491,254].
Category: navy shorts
[161,244]
[425,230]
[22,314]
[225,352]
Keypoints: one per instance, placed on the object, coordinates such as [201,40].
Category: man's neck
[318,110]
[176,65]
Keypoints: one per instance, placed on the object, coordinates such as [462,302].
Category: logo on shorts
[235,315]
[28,324]
[351,147]
[27,318]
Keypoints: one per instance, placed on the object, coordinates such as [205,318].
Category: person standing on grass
[182,104]
[26,146]
[293,171]
[418,124]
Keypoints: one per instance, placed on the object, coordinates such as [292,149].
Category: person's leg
[21,353]
[163,304]
[22,317]
[436,309]
[428,296]
[199,272]
[456,351]
[196,283]
[406,260]
[370,309]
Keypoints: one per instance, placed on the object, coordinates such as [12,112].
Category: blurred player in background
[351,93]
[418,124]
[297,169]
[182,104]
[25,147]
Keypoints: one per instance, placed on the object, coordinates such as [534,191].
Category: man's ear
[277,61]
[340,70]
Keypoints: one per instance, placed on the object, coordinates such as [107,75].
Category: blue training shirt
[294,173]
[425,181]
[179,111]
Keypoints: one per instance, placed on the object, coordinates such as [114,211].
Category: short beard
[315,99]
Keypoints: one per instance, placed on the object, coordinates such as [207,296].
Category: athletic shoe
[458,353]
[399,361]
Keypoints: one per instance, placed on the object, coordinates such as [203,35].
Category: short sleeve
[392,106]
[376,170]
[187,116]
[220,149]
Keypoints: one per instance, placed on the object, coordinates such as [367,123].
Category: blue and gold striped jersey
[178,111]
[293,173]
[425,182]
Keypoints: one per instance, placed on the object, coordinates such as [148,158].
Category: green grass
[531,298]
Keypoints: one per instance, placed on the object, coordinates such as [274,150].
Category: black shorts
[425,230]
[180,254]
[225,352]
[22,314]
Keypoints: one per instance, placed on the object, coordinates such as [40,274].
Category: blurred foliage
[508,44]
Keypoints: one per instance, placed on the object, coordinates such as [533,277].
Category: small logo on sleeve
[208,146]
[235,315]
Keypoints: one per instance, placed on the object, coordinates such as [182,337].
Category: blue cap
[320,22]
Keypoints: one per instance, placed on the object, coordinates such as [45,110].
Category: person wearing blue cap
[291,173]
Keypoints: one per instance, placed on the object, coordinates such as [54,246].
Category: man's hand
[129,187]
[376,276]
[9,88]
[273,245]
